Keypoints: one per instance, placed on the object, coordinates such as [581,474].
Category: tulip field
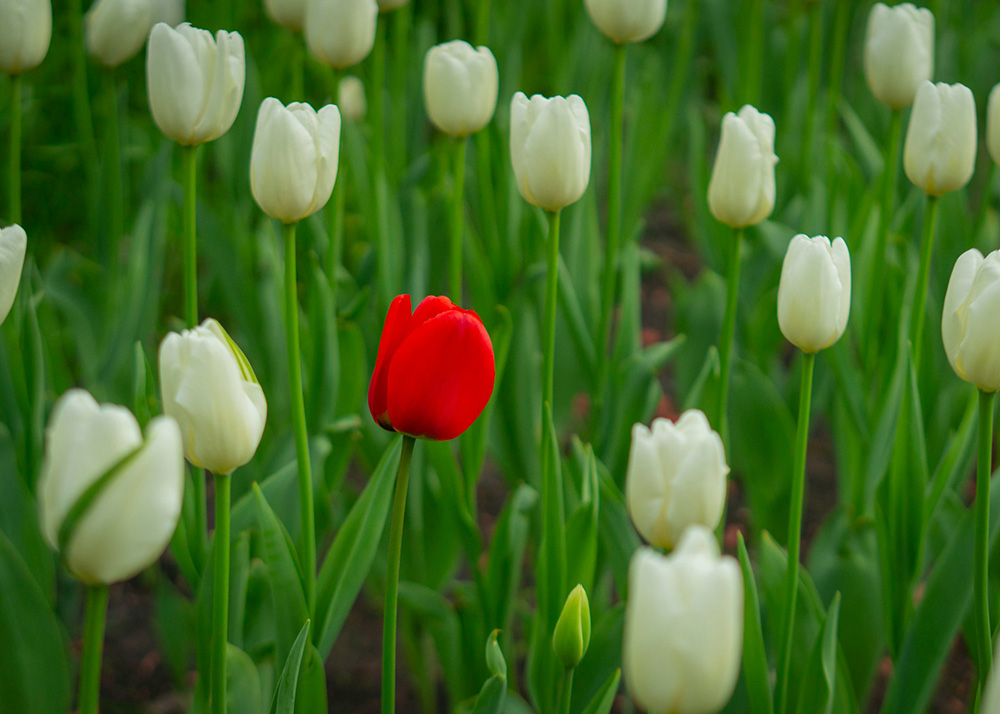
[573,356]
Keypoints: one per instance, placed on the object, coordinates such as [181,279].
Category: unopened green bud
[494,657]
[572,635]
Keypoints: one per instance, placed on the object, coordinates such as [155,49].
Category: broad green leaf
[755,669]
[283,701]
[491,696]
[510,538]
[618,537]
[311,695]
[605,697]
[242,682]
[817,690]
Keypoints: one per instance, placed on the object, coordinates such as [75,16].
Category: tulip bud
[993,125]
[387,5]
[13,243]
[117,29]
[683,627]
[627,20]
[899,52]
[25,32]
[341,33]
[460,87]
[814,293]
[434,371]
[209,387]
[351,98]
[195,82]
[108,499]
[293,163]
[170,12]
[550,149]
[287,13]
[969,326]
[572,634]
[676,478]
[940,150]
[741,190]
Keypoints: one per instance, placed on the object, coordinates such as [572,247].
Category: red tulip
[434,372]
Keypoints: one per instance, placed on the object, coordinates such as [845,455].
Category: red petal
[397,327]
[431,306]
[441,377]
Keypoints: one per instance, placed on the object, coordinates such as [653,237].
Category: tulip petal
[954,317]
[441,377]
[397,327]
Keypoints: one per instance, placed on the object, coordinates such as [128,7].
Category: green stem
[984,200]
[680,67]
[457,222]
[728,332]
[612,253]
[298,66]
[82,115]
[755,54]
[334,252]
[483,23]
[920,297]
[392,579]
[93,648]
[190,236]
[488,227]
[377,118]
[795,528]
[14,175]
[876,279]
[841,28]
[982,544]
[549,325]
[114,165]
[220,593]
[307,515]
[566,691]
[815,65]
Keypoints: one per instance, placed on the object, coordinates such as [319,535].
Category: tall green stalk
[754,59]
[306,511]
[220,593]
[566,691]
[814,68]
[114,164]
[920,296]
[392,579]
[549,324]
[457,222]
[376,113]
[982,543]
[14,168]
[335,249]
[728,332]
[93,649]
[613,249]
[81,112]
[795,529]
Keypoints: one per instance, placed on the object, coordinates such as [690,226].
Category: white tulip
[940,151]
[209,387]
[195,82]
[899,52]
[25,33]
[676,478]
[287,13]
[341,33]
[993,125]
[460,87]
[117,29]
[550,149]
[627,20]
[814,293]
[387,5]
[683,627]
[293,163]
[132,516]
[741,190]
[13,244]
[170,12]
[969,326]
[351,98]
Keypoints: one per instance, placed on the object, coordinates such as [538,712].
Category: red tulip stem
[392,579]
[88,700]
[306,512]
[982,540]
[457,222]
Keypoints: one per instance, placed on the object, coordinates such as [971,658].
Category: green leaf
[33,658]
[491,696]
[817,690]
[242,682]
[605,697]
[284,695]
[311,696]
[144,387]
[551,571]
[618,538]
[510,538]
[495,661]
[754,654]
[350,557]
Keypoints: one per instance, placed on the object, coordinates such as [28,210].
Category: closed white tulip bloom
[676,478]
[25,33]
[13,244]
[387,5]
[351,98]
[940,151]
[993,126]
[627,20]
[899,52]
[117,29]
[195,82]
[287,13]
[460,87]
[814,294]
[741,190]
[132,516]
[209,387]
[170,12]
[550,149]
[293,164]
[341,33]
[970,321]
[683,638]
